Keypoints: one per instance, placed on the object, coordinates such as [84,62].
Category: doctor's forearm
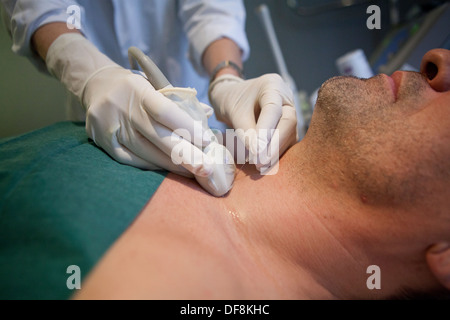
[222,50]
[46,34]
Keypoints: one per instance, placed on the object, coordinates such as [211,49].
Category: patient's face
[393,132]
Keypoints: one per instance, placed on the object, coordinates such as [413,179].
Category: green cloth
[63,202]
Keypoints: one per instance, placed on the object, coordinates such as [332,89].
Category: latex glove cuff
[225,79]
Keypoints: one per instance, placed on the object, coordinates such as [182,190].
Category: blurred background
[312,35]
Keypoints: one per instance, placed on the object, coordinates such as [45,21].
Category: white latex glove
[125,115]
[264,103]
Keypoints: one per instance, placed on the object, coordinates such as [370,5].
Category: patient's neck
[305,228]
[295,234]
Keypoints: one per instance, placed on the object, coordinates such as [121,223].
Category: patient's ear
[438,259]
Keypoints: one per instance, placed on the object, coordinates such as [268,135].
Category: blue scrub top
[173,33]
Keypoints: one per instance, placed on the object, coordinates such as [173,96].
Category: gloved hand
[257,106]
[125,115]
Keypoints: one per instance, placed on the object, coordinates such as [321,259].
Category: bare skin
[208,248]
[368,185]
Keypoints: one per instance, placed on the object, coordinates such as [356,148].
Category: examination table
[63,203]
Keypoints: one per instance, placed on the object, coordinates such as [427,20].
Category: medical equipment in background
[317,9]
[405,45]
[224,169]
[407,41]
[354,64]
[301,107]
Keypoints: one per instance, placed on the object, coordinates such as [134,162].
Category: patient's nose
[436,67]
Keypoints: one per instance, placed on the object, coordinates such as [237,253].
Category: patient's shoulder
[177,248]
